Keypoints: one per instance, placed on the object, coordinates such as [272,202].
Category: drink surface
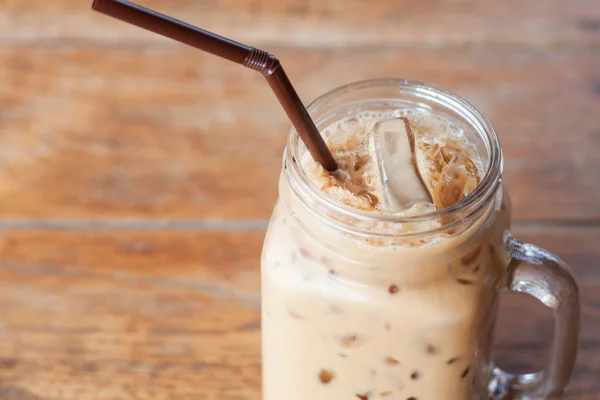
[348,317]
[381,170]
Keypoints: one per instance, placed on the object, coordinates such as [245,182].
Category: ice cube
[458,179]
[393,147]
[448,173]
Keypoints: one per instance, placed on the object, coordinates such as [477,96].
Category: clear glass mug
[365,306]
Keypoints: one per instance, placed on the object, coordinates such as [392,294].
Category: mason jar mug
[369,306]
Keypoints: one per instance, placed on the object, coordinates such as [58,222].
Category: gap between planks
[224,225]
[161,45]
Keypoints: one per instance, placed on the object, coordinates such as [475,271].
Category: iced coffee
[380,280]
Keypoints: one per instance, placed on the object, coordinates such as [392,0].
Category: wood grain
[172,314]
[104,126]
[133,133]
[354,23]
[130,315]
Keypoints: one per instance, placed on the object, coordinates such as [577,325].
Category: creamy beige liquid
[353,318]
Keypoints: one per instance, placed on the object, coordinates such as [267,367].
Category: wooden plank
[355,23]
[168,314]
[150,315]
[109,133]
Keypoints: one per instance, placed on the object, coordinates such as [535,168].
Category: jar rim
[475,201]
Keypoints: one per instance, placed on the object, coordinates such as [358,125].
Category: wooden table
[137,176]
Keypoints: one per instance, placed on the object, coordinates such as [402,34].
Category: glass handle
[544,276]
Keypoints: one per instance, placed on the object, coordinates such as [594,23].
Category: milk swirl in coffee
[383,317]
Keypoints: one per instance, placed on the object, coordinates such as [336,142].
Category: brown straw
[258,60]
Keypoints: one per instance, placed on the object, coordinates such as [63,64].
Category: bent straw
[256,59]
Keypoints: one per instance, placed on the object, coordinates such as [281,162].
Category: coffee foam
[359,183]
